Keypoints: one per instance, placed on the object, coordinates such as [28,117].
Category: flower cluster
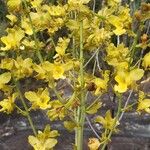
[56,42]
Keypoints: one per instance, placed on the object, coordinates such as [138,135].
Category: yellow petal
[12,18]
[146,60]
[121,88]
[12,40]
[136,74]
[7,63]
[14,5]
[36,3]
[35,142]
[93,143]
[5,78]
[31,96]
[119,31]
[26,26]
[144,105]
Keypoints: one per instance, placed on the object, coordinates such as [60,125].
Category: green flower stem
[26,108]
[34,33]
[24,113]
[115,123]
[81,109]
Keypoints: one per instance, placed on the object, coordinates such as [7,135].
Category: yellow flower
[108,122]
[40,20]
[14,5]
[58,72]
[119,31]
[101,84]
[12,40]
[55,70]
[25,24]
[57,110]
[61,46]
[48,70]
[4,78]
[38,144]
[55,11]
[79,5]
[93,143]
[54,25]
[44,140]
[117,56]
[135,75]
[7,63]
[146,61]
[7,105]
[121,21]
[22,68]
[39,99]
[144,105]
[28,43]
[121,80]
[113,3]
[125,79]
[12,18]
[72,25]
[118,23]
[98,36]
[124,15]
[36,3]
[41,72]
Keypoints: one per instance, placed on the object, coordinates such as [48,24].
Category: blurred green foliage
[2,10]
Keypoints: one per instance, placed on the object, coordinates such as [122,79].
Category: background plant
[56,40]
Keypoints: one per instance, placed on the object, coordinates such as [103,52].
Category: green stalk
[115,123]
[81,108]
[26,108]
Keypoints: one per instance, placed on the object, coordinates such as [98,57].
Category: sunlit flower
[44,140]
[22,67]
[39,99]
[125,79]
[7,105]
[93,143]
[4,79]
[13,38]
[146,61]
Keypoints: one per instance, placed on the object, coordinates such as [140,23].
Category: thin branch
[148,27]
[98,65]
[91,126]
[118,40]
[94,67]
[91,58]
[94,4]
[127,101]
